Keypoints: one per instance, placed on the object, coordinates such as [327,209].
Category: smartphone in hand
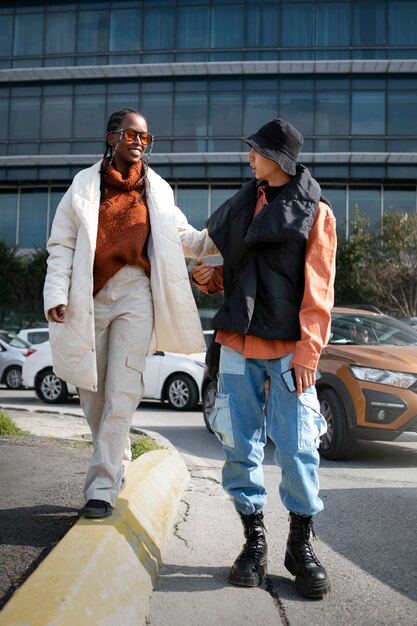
[289,379]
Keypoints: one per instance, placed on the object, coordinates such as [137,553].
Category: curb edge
[107,576]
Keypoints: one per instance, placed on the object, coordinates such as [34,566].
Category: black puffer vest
[263,271]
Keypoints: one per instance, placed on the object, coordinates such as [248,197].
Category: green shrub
[143,444]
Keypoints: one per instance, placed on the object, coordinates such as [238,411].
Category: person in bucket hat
[277,237]
[278,141]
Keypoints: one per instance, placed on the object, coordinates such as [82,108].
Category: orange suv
[368,381]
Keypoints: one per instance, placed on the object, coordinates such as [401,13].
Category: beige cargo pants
[123,315]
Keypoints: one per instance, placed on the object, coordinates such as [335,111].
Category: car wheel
[49,388]
[13,377]
[337,443]
[181,392]
[209,398]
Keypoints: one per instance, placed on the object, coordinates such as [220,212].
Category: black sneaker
[97,508]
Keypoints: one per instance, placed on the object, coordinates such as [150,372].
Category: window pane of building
[192,30]
[28,34]
[332,113]
[297,108]
[220,195]
[227,27]
[401,117]
[6,30]
[368,201]
[333,24]
[158,110]
[368,24]
[121,101]
[125,29]
[262,26]
[92,33]
[56,117]
[258,109]
[400,200]
[194,203]
[402,20]
[4,115]
[55,199]
[225,113]
[8,217]
[23,147]
[88,147]
[368,145]
[328,145]
[89,116]
[190,114]
[297,24]
[32,218]
[368,113]
[60,33]
[159,29]
[24,123]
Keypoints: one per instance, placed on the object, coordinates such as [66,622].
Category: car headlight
[383,377]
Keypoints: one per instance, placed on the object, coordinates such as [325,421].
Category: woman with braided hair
[116,289]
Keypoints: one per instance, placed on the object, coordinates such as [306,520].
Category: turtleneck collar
[114,178]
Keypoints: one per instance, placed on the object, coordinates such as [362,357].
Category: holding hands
[202,272]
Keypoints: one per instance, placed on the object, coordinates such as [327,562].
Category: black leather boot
[250,566]
[311,579]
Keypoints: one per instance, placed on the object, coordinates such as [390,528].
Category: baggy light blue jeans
[292,422]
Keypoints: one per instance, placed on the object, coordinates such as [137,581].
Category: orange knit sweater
[123,226]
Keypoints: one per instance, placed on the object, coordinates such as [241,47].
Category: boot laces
[302,543]
[255,539]
[253,547]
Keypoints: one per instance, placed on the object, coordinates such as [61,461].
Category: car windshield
[370,330]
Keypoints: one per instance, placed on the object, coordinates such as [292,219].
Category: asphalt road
[366,535]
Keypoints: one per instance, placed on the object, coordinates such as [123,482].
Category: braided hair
[113,123]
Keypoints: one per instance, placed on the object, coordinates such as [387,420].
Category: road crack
[269,586]
[182,520]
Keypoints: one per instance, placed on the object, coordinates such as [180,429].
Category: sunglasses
[129,135]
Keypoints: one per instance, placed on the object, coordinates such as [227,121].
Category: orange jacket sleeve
[318,299]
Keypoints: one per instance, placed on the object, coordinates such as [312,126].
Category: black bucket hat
[279,141]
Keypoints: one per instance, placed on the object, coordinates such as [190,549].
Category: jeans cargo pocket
[311,424]
[221,422]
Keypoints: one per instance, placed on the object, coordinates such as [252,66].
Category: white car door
[151,377]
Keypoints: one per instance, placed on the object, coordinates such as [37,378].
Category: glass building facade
[204,73]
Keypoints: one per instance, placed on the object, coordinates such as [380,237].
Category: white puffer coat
[69,278]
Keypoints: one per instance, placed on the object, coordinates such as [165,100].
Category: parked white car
[34,336]
[14,341]
[11,363]
[175,378]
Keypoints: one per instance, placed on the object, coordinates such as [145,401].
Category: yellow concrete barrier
[103,571]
